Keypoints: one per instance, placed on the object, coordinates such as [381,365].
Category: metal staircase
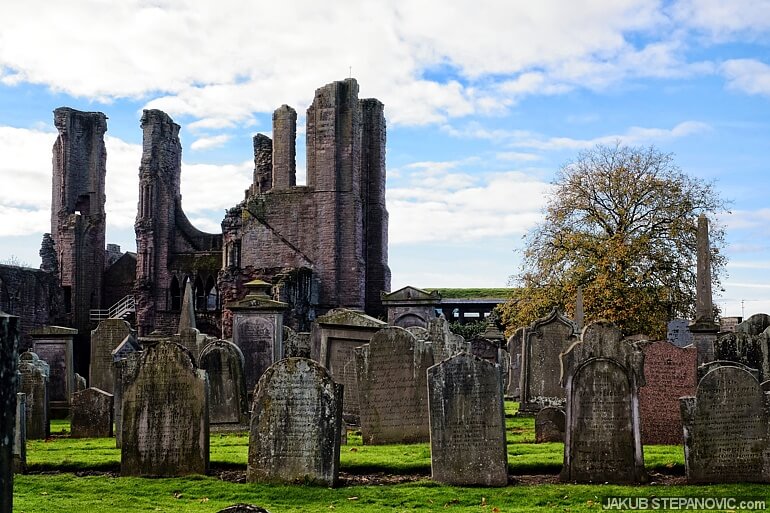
[119,310]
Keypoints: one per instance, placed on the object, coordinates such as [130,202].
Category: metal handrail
[119,310]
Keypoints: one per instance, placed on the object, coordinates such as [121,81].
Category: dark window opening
[176,295]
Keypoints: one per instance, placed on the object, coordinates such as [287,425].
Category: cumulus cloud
[747,75]
[724,19]
[208,143]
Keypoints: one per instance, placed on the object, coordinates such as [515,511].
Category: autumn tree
[620,222]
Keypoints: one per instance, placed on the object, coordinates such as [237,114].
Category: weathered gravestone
[165,423]
[92,414]
[515,342]
[258,330]
[334,337]
[467,422]
[444,343]
[544,341]
[108,335]
[491,351]
[549,425]
[125,360]
[392,387]
[20,435]
[243,508]
[223,362]
[34,384]
[749,344]
[670,372]
[419,332]
[726,427]
[53,344]
[9,347]
[295,424]
[295,345]
[602,375]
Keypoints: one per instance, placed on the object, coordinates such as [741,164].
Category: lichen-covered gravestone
[9,346]
[20,435]
[670,373]
[392,387]
[34,384]
[444,343]
[104,339]
[295,424]
[549,425]
[165,428]
[544,341]
[295,345]
[125,360]
[602,375]
[223,362]
[467,422]
[748,345]
[515,341]
[92,414]
[725,427]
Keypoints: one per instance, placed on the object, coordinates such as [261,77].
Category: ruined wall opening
[83,205]
[176,295]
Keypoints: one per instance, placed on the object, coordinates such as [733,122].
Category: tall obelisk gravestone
[9,361]
[704,330]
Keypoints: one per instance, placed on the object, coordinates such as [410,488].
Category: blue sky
[484,102]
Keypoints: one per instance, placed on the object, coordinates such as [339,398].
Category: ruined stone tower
[169,249]
[323,245]
[77,211]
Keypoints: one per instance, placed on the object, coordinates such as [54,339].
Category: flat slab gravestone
[602,375]
[295,425]
[670,372]
[544,341]
[549,425]
[223,362]
[53,344]
[165,426]
[108,335]
[467,422]
[392,387]
[9,346]
[725,427]
[92,414]
[34,384]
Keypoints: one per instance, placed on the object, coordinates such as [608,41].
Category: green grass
[474,293]
[64,491]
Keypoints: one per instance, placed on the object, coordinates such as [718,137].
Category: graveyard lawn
[67,475]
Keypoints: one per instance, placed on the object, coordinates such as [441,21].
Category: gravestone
[334,337]
[410,306]
[602,375]
[678,333]
[223,362]
[725,427]
[419,332]
[670,373]
[92,414]
[445,344]
[53,344]
[107,336]
[392,393]
[295,345]
[34,384]
[467,422]
[165,423]
[515,342]
[243,508]
[258,330]
[295,425]
[544,341]
[20,435]
[549,425]
[749,344]
[125,360]
[9,347]
[704,328]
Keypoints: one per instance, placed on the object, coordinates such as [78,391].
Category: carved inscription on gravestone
[725,428]
[165,429]
[256,338]
[295,424]
[670,373]
[392,387]
[467,423]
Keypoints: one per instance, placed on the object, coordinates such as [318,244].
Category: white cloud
[723,19]
[747,75]
[214,187]
[208,143]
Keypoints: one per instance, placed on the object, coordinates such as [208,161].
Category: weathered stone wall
[284,147]
[34,296]
[119,279]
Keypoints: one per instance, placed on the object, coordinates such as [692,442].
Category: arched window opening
[176,295]
[200,294]
[212,295]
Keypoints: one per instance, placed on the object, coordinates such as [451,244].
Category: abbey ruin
[320,246]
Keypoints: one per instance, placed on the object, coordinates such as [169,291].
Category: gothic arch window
[176,295]
[200,294]
[212,295]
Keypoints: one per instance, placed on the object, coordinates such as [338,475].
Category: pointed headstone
[703,329]
[187,316]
